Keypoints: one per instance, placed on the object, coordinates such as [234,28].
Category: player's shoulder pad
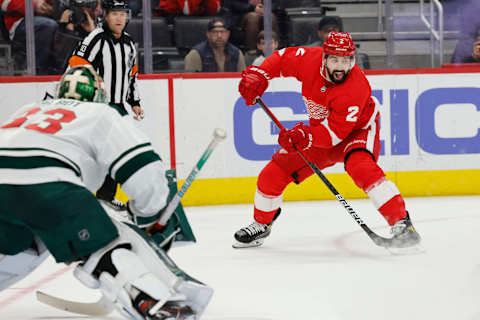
[358,79]
[298,51]
[99,107]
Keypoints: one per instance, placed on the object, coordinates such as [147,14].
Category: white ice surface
[317,264]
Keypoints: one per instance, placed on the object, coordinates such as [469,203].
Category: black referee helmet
[115,5]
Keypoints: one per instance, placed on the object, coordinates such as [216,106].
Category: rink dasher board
[429,130]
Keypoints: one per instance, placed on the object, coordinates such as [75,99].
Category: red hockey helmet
[339,44]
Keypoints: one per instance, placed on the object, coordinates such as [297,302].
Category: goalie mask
[338,57]
[82,83]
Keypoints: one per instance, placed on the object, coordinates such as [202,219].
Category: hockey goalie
[53,154]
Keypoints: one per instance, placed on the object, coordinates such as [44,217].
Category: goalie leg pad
[130,266]
[16,267]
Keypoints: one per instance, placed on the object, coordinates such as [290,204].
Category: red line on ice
[24,291]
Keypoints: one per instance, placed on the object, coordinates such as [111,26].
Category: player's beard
[337,76]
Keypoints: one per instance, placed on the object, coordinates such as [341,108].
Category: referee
[111,52]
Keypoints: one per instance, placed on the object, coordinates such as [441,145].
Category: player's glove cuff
[253,84]
[138,218]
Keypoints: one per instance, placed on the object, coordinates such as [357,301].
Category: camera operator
[77,18]
[80,17]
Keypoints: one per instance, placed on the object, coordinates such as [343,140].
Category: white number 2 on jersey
[352,114]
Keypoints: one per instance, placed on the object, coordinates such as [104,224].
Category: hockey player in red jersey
[343,127]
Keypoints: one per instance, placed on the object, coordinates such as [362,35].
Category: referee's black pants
[107,190]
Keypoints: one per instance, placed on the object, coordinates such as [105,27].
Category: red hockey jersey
[189,7]
[13,13]
[334,110]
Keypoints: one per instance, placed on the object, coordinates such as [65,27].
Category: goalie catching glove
[299,137]
[253,84]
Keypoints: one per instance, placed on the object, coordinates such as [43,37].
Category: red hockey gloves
[300,136]
[253,84]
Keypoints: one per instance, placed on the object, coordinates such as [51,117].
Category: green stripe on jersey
[134,164]
[33,163]
[125,154]
[71,163]
[143,222]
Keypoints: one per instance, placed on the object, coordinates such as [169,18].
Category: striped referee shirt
[114,60]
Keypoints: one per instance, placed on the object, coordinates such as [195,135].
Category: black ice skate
[254,234]
[171,310]
[115,204]
[404,234]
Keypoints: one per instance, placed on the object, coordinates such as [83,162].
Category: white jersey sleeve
[131,161]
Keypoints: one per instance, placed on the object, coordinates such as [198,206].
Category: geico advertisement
[429,122]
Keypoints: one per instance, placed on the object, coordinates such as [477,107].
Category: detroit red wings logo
[315,110]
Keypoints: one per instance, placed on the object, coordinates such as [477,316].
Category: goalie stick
[102,307]
[99,308]
[218,135]
[378,240]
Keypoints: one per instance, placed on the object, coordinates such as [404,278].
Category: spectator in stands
[261,46]
[171,8]
[475,56]
[136,7]
[44,26]
[326,25]
[469,11]
[216,54]
[76,21]
[329,24]
[246,18]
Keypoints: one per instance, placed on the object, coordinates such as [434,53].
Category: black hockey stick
[378,240]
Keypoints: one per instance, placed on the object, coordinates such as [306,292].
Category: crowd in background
[61,24]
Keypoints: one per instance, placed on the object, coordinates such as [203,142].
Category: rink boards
[430,130]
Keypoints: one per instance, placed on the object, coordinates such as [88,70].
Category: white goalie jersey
[81,142]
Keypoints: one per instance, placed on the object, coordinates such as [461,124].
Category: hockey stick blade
[102,307]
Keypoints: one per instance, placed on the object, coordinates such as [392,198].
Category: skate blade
[413,250]
[254,243]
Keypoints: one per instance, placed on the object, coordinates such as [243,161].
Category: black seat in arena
[303,29]
[189,31]
[161,36]
[163,50]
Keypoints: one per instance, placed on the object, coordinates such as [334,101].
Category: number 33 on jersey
[69,131]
